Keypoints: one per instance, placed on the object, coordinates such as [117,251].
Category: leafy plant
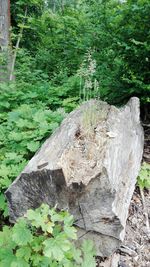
[144,176]
[44,238]
[25,122]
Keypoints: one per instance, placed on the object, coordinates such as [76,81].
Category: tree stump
[88,166]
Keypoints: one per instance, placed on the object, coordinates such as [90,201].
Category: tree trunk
[4,38]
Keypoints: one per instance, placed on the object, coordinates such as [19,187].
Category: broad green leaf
[88,246]
[70,232]
[21,234]
[37,243]
[4,172]
[6,239]
[16,136]
[68,220]
[39,218]
[24,253]
[77,255]
[56,248]
[8,260]
[13,116]
[5,182]
[5,104]
[89,253]
[52,250]
[36,259]
[19,263]
[33,146]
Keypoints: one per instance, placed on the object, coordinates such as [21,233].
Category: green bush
[25,122]
[56,38]
[44,238]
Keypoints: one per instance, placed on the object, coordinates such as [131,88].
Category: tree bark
[4,38]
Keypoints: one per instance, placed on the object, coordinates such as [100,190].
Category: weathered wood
[112,261]
[88,166]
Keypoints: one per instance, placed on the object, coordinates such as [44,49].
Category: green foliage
[31,108]
[44,237]
[59,37]
[58,34]
[144,176]
[3,205]
[25,122]
[133,47]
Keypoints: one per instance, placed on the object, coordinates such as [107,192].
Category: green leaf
[3,205]
[4,172]
[15,136]
[87,246]
[33,146]
[68,219]
[36,259]
[19,263]
[2,201]
[24,253]
[56,247]
[13,157]
[77,255]
[5,104]
[21,234]
[5,182]
[89,253]
[70,232]
[40,219]
[53,250]
[8,260]
[6,239]
[144,176]
[36,244]
[13,116]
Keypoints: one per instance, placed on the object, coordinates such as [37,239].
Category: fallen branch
[16,48]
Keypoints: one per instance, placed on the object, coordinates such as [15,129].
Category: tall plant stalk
[12,67]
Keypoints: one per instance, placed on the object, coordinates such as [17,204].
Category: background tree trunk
[4,38]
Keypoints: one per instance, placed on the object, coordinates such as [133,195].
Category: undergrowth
[44,238]
[29,113]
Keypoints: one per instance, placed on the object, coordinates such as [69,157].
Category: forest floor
[135,250]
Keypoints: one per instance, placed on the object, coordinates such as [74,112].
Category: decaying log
[88,166]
